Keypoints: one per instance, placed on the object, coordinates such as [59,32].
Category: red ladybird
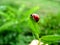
[35,17]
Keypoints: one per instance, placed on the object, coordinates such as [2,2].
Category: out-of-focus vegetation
[16,28]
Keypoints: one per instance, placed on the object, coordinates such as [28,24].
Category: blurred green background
[14,21]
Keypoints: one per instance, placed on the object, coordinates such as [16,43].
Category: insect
[35,17]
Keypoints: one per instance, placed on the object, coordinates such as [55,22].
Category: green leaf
[7,25]
[50,38]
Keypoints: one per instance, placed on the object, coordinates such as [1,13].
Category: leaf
[7,25]
[50,38]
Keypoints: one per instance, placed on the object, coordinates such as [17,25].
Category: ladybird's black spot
[37,20]
[31,14]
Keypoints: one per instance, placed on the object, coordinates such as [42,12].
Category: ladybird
[35,17]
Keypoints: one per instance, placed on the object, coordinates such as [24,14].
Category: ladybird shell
[35,17]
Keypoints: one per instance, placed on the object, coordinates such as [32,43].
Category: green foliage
[50,38]
[50,23]
[17,27]
[12,20]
